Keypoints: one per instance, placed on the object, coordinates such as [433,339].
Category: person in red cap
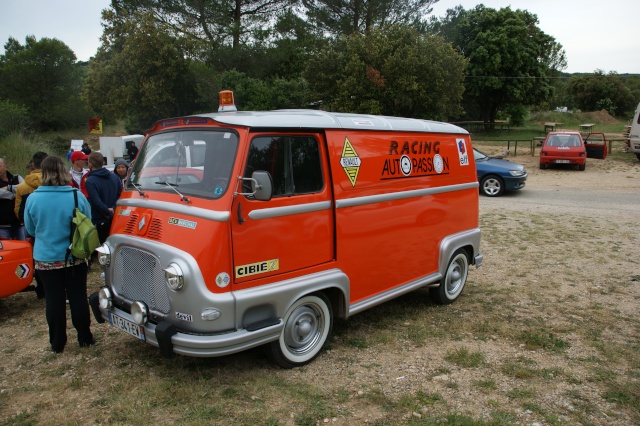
[78,169]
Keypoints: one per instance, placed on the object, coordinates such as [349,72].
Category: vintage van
[291,218]
[634,133]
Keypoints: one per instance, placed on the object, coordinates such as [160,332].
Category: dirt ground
[551,319]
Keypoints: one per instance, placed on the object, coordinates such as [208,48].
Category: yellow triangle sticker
[350,162]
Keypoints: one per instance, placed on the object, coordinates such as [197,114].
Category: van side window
[293,162]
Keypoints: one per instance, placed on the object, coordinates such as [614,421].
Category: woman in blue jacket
[47,217]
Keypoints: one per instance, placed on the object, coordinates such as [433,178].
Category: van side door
[294,230]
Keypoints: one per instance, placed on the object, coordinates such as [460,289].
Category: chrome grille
[138,276]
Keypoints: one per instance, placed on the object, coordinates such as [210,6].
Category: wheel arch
[263,302]
[469,241]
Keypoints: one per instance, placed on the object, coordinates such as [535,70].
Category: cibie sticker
[223,279]
[350,162]
[257,268]
[463,152]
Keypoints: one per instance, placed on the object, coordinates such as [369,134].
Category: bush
[517,115]
[13,118]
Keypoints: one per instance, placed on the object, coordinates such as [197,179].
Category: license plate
[127,326]
[562,161]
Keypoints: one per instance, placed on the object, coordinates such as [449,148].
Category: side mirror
[262,185]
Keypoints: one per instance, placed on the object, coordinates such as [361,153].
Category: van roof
[312,119]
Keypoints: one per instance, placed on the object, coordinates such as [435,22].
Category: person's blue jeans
[13,232]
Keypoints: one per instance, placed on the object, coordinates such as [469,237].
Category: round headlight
[104,255]
[105,298]
[174,277]
[139,313]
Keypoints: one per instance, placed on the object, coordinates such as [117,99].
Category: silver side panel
[393,293]
[289,210]
[218,216]
[371,199]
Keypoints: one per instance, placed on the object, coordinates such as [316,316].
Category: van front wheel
[454,280]
[307,325]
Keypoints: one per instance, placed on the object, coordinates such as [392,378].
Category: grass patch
[462,357]
[534,340]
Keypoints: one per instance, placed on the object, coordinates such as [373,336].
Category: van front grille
[138,276]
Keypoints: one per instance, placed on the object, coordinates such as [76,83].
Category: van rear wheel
[307,325]
[455,278]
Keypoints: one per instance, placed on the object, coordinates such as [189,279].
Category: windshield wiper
[139,189]
[172,186]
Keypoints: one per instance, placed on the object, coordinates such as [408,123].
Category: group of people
[39,208]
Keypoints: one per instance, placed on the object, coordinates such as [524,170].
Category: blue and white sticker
[223,279]
[463,152]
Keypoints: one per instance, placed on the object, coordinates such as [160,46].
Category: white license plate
[127,326]
[562,161]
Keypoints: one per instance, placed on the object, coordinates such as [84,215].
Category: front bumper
[169,340]
[515,183]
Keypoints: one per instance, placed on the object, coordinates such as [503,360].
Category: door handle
[241,219]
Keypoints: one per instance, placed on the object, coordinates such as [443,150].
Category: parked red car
[569,148]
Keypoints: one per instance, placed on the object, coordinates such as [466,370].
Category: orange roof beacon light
[226,101]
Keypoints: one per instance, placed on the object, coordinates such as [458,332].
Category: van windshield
[195,162]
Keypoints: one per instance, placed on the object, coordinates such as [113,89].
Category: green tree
[345,17]
[43,77]
[601,91]
[394,71]
[218,22]
[510,58]
[139,73]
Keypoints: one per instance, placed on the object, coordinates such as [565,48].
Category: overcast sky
[595,34]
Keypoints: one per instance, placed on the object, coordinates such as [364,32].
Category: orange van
[281,222]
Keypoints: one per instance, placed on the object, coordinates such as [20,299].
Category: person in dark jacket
[132,151]
[103,188]
[121,168]
[10,226]
[86,148]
